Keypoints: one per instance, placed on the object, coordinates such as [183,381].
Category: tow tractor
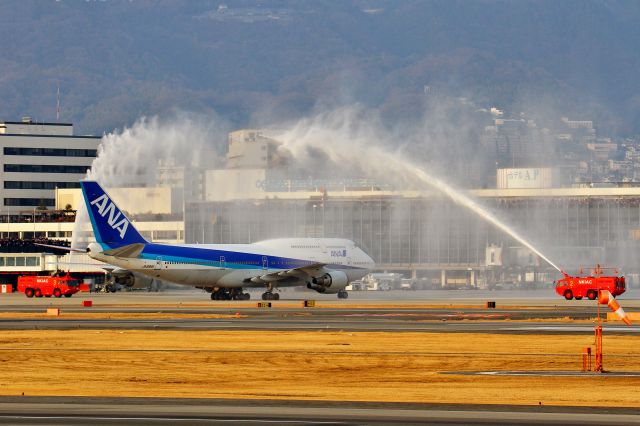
[589,286]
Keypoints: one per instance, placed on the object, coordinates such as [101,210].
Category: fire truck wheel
[57,292]
[28,292]
[568,295]
[68,295]
[38,293]
[591,295]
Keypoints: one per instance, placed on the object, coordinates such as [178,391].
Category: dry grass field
[318,365]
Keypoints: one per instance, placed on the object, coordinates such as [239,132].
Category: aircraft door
[158,264]
[265,262]
[223,262]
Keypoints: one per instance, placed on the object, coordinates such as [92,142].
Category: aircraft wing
[287,274]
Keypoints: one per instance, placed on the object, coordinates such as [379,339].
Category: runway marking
[316,352]
[431,315]
[552,373]
[572,328]
[170,419]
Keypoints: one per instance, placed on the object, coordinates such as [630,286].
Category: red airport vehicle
[578,287]
[57,285]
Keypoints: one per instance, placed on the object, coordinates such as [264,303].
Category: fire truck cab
[58,285]
[578,287]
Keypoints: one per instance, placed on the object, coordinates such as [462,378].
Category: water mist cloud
[353,138]
[130,157]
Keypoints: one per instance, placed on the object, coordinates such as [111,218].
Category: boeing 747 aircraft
[325,265]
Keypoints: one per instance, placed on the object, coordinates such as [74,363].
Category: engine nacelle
[329,283]
[129,279]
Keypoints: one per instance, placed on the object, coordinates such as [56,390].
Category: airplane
[325,265]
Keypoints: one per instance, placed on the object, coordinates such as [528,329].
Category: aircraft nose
[370,262]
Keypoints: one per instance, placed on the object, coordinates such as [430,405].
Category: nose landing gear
[229,294]
[270,294]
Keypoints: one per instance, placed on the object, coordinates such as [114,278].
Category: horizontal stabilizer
[130,251]
[60,247]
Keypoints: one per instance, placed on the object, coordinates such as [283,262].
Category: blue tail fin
[110,225]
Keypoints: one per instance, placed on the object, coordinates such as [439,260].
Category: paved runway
[153,411]
[399,311]
[311,322]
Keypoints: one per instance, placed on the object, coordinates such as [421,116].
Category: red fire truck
[578,287]
[57,285]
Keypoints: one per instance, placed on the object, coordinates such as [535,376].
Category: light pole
[323,222]
[314,220]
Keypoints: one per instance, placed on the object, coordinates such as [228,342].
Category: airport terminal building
[425,235]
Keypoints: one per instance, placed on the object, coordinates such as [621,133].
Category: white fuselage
[233,265]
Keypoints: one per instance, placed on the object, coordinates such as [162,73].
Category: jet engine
[329,283]
[129,279]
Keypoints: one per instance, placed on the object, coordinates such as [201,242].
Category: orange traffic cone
[606,298]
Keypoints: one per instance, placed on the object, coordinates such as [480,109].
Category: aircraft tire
[342,294]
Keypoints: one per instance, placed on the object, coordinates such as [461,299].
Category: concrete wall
[229,184]
[134,201]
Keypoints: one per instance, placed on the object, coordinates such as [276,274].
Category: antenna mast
[58,105]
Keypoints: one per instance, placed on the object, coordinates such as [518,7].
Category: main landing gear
[270,295]
[229,294]
[342,294]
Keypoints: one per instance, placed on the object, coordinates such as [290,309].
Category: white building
[37,158]
[252,149]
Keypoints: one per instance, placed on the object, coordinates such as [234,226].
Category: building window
[30,202]
[14,184]
[166,235]
[51,152]
[43,168]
